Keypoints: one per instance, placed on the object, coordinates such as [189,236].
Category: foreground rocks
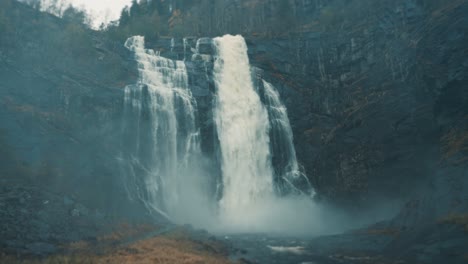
[437,243]
[35,221]
[41,227]
[171,247]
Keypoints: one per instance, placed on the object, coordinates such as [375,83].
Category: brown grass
[382,231]
[456,219]
[176,247]
[455,143]
[125,230]
[160,250]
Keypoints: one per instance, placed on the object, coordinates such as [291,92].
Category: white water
[162,101]
[284,153]
[243,126]
[163,154]
[249,202]
[279,118]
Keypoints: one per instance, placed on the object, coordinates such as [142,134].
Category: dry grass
[125,230]
[176,247]
[382,231]
[456,219]
[455,144]
[161,250]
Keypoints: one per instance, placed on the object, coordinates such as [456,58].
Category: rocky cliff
[378,105]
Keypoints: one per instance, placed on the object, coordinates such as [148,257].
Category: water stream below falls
[163,163]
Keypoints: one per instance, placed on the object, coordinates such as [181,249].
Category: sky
[101,11]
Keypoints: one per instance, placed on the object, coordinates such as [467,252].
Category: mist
[257,131]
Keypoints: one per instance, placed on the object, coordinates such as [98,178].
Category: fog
[238,194]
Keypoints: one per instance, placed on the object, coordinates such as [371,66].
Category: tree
[124,17]
[72,15]
[135,8]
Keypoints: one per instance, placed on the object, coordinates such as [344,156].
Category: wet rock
[205,46]
[199,91]
[177,45]
[353,147]
[202,58]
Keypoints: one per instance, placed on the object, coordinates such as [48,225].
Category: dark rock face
[371,103]
[34,220]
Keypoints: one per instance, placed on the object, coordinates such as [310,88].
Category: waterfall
[163,159]
[243,131]
[162,112]
[284,160]
[252,136]
[186,45]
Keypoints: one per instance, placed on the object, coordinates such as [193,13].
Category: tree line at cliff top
[203,18]
[263,18]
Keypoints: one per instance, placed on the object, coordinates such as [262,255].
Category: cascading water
[243,126]
[162,154]
[281,130]
[286,167]
[249,202]
[162,112]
